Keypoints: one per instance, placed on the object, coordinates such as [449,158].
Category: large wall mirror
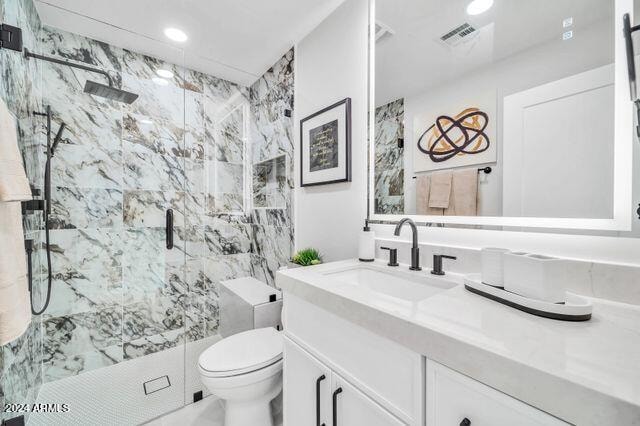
[501,113]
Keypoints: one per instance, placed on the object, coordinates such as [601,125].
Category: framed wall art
[325,145]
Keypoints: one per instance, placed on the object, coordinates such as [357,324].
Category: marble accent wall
[20,89]
[389,158]
[271,136]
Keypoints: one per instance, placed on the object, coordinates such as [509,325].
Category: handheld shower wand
[56,140]
[51,147]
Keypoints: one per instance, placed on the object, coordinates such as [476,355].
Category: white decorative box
[493,265]
[535,276]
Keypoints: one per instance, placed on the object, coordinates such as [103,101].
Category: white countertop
[582,372]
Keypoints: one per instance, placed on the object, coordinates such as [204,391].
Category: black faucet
[437,263]
[415,251]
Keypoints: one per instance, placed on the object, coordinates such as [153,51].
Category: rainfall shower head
[109,92]
[91,87]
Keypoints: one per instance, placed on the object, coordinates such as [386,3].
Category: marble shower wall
[389,158]
[20,89]
[271,140]
[188,145]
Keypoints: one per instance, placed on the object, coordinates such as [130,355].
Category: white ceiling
[413,59]
[237,40]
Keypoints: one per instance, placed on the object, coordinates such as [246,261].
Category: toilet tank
[247,303]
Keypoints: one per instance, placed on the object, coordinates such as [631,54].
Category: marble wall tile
[78,48]
[229,177]
[156,136]
[275,244]
[270,131]
[278,78]
[88,123]
[81,166]
[85,249]
[83,332]
[153,172]
[156,314]
[228,238]
[225,267]
[221,96]
[61,365]
[221,203]
[148,208]
[195,176]
[143,246]
[161,103]
[151,344]
[86,208]
[85,291]
[389,158]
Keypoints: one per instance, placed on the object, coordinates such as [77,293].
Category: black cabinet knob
[465,422]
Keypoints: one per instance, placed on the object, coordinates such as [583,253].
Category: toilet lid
[243,352]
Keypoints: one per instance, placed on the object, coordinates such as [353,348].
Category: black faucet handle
[393,256]
[437,263]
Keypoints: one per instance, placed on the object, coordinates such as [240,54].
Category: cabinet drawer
[388,373]
[453,397]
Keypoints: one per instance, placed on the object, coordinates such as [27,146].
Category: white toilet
[246,371]
[245,368]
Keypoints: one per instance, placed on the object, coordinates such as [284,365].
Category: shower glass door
[113,341]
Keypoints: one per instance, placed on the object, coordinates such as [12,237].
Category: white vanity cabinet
[315,395]
[373,371]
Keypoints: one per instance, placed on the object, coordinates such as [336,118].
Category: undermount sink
[408,287]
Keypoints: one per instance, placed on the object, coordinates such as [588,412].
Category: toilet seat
[243,353]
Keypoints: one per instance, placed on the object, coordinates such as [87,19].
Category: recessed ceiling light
[567,22]
[567,35]
[160,81]
[145,121]
[175,34]
[164,73]
[477,7]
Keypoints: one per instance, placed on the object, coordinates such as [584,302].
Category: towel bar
[485,170]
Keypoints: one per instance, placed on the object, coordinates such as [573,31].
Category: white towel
[14,185]
[440,192]
[15,305]
[423,187]
[464,193]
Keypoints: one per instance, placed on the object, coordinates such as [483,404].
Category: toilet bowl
[245,370]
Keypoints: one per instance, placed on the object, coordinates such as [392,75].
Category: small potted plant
[306,257]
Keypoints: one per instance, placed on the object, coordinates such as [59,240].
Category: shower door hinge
[10,37]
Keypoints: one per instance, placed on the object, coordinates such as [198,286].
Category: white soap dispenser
[367,244]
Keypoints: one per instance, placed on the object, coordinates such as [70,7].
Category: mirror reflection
[494,108]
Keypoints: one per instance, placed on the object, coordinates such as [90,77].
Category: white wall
[331,64]
[588,49]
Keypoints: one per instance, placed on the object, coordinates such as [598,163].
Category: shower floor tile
[115,395]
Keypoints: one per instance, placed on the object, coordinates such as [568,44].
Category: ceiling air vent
[383,31]
[458,34]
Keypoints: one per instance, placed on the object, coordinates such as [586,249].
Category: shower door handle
[169,229]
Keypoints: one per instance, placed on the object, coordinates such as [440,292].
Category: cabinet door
[306,388]
[350,407]
[454,399]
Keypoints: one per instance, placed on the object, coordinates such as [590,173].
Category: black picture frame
[347,118]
